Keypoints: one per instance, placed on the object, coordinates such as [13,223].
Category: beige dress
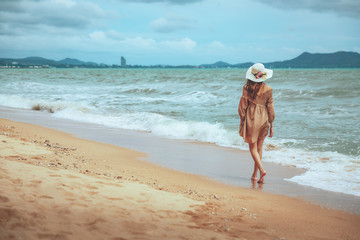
[256,114]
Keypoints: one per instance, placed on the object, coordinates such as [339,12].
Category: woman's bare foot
[253,176]
[261,180]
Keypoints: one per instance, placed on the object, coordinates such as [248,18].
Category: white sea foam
[41,105]
[15,101]
[325,170]
[201,105]
[159,125]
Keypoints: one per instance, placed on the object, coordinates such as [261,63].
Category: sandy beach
[57,186]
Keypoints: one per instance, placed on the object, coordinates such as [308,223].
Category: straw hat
[258,73]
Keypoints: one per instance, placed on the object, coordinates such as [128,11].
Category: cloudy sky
[176,32]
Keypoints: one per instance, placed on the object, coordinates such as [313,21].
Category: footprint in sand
[92,187]
[36,181]
[4,199]
[92,192]
[51,236]
[91,226]
[79,205]
[52,175]
[71,176]
[86,199]
[17,181]
[46,197]
[110,198]
[68,194]
[143,198]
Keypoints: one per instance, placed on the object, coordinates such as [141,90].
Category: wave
[325,170]
[140,90]
[145,121]
[15,101]
[329,171]
[159,125]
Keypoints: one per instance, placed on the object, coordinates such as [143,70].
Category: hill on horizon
[339,59]
[321,60]
[45,61]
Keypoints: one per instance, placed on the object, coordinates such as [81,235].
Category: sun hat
[258,73]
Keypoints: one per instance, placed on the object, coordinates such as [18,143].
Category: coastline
[224,165]
[100,186]
[149,106]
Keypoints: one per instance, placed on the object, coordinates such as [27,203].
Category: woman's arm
[271,113]
[271,130]
[242,108]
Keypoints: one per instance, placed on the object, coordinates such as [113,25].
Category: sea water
[316,124]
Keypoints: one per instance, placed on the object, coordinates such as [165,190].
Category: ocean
[316,123]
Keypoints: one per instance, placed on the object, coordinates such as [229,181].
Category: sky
[177,32]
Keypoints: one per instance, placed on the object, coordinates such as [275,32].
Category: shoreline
[224,165]
[71,188]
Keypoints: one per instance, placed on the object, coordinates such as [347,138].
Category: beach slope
[57,186]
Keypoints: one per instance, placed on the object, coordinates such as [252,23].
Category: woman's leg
[259,147]
[254,150]
[260,151]
[260,144]
[253,177]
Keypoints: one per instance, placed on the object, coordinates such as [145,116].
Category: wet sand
[225,165]
[57,186]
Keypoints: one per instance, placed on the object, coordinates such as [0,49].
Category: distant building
[123,62]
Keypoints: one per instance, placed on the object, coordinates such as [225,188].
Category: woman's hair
[253,88]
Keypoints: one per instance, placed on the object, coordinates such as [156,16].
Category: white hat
[258,73]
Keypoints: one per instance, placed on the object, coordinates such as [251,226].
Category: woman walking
[256,111]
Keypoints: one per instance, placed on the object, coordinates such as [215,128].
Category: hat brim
[268,74]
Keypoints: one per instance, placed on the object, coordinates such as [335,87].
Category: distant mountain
[243,65]
[34,61]
[73,61]
[39,61]
[305,60]
[320,60]
[219,64]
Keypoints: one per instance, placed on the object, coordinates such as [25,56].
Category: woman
[256,111]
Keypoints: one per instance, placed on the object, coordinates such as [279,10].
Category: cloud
[184,44]
[31,16]
[356,49]
[217,45]
[180,2]
[134,44]
[115,35]
[350,8]
[97,36]
[10,6]
[171,24]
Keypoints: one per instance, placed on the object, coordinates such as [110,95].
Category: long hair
[253,88]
